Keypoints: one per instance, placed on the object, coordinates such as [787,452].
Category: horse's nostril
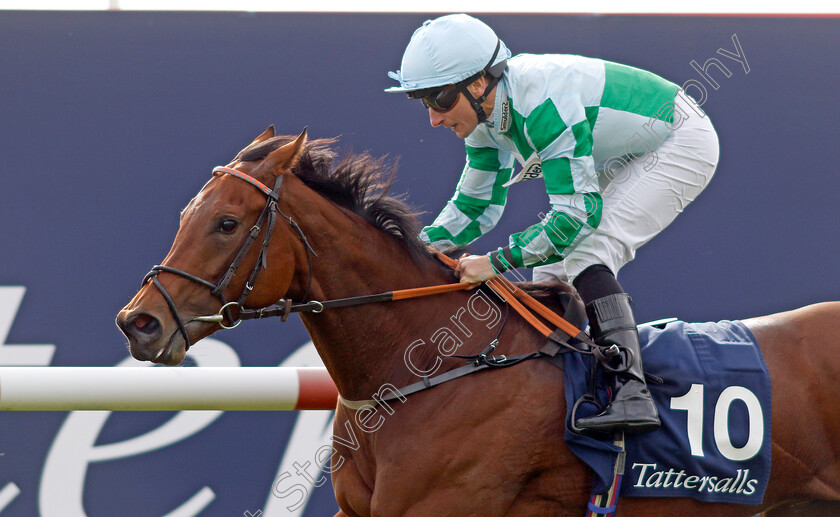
[142,320]
[145,324]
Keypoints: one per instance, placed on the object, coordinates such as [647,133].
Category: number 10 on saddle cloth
[714,403]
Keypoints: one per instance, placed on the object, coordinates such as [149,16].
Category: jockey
[621,150]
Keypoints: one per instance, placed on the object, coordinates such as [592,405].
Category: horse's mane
[359,183]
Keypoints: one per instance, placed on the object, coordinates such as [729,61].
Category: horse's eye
[228,226]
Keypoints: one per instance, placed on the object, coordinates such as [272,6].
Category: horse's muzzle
[143,332]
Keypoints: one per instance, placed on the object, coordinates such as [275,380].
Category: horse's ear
[268,133]
[286,157]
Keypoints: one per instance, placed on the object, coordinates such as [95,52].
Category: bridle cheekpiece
[267,218]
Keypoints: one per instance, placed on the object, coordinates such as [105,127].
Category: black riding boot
[632,409]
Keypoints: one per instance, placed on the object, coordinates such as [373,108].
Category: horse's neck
[363,347]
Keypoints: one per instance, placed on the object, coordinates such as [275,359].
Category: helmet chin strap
[476,103]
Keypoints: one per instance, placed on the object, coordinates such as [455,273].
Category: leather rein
[522,302]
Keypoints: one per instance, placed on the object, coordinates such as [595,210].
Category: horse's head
[220,247]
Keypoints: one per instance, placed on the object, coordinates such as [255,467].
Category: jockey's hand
[473,269]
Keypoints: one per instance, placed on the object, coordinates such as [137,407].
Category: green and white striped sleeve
[565,154]
[478,202]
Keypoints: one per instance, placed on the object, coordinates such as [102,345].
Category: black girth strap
[559,342]
[475,363]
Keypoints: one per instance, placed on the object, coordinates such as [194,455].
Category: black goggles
[438,99]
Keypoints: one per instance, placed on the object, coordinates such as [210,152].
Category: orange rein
[428,291]
[502,286]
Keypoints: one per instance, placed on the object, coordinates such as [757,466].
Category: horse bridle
[284,307]
[267,217]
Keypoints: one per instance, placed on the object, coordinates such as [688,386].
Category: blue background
[110,122]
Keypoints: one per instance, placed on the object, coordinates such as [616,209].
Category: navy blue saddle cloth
[714,404]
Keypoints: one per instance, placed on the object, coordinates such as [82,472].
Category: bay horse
[488,444]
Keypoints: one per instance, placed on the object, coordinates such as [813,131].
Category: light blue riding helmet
[450,50]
